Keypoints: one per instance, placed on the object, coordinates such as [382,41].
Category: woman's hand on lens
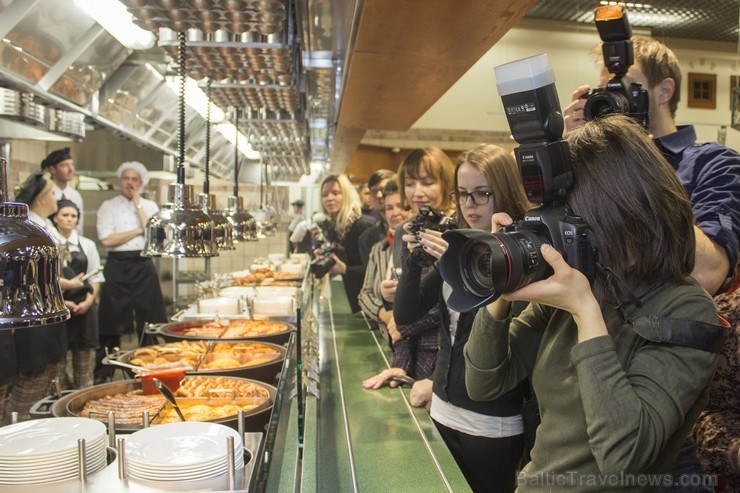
[567,288]
[377,381]
[433,243]
[339,267]
[499,309]
[421,394]
[388,289]
[499,220]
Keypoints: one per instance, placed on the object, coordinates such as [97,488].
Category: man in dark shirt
[377,233]
[710,172]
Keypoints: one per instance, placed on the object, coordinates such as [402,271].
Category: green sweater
[615,409]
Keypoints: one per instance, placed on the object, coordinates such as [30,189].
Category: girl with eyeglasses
[485,438]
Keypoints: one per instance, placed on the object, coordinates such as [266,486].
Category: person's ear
[666,90]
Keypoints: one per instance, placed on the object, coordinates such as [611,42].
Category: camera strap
[679,331]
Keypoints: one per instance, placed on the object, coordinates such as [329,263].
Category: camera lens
[503,263]
[478,276]
[605,103]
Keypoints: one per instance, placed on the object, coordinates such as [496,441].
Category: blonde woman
[342,205]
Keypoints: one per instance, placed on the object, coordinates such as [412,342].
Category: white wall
[474,104]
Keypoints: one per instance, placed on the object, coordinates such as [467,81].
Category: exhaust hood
[250,50]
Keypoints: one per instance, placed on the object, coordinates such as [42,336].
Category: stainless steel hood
[248,49]
[308,77]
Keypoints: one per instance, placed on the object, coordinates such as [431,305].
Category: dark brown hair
[631,197]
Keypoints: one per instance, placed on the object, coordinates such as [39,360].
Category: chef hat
[56,157]
[136,166]
[31,188]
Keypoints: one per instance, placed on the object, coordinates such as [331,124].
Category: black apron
[39,348]
[7,356]
[131,283]
[82,330]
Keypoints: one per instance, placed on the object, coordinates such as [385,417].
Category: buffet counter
[325,432]
[356,439]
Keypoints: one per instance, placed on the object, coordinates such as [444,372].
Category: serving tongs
[167,393]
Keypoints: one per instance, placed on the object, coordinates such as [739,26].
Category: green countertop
[366,440]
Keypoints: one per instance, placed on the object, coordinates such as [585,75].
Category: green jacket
[615,409]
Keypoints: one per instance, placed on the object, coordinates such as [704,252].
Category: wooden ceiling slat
[408,54]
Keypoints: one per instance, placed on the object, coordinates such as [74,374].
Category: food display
[268,278]
[203,355]
[173,354]
[127,407]
[202,386]
[200,398]
[236,329]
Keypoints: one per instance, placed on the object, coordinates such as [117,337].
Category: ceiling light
[114,18]
[196,99]
[228,131]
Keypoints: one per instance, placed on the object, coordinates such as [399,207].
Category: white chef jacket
[118,215]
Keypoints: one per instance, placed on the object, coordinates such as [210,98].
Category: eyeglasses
[479,198]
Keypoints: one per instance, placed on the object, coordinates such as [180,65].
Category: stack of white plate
[46,450]
[181,452]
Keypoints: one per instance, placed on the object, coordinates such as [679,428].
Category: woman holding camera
[426,176]
[341,204]
[615,406]
[485,438]
[79,256]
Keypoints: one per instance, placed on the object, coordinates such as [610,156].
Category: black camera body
[323,262]
[616,96]
[428,218]
[480,266]
[327,242]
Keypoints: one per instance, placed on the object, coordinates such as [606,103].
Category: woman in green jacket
[615,406]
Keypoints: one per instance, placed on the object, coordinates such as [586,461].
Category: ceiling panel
[712,20]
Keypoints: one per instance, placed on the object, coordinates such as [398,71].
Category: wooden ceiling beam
[408,54]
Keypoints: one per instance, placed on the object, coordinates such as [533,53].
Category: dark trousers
[130,294]
[488,464]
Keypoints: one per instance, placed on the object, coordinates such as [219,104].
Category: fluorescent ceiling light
[114,18]
[228,130]
[196,98]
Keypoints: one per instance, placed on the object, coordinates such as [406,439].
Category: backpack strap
[681,332]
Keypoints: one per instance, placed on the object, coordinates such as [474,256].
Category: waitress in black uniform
[40,351]
[79,256]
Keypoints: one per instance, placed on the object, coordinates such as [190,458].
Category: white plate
[174,445]
[94,449]
[47,437]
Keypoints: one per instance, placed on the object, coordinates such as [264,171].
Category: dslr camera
[327,243]
[616,96]
[480,266]
[323,262]
[428,218]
